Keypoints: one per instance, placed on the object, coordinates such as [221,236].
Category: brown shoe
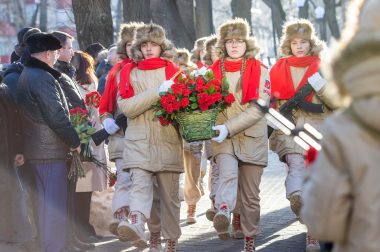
[222,221]
[134,231]
[171,246]
[210,213]
[191,219]
[237,232]
[249,244]
[296,203]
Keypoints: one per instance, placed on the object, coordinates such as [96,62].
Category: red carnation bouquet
[79,119]
[93,99]
[194,97]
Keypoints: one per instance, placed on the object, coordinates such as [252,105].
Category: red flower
[311,155]
[184,102]
[163,121]
[93,99]
[186,92]
[217,97]
[230,98]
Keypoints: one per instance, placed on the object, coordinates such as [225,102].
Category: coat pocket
[136,149]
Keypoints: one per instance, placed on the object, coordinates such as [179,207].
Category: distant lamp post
[319,12]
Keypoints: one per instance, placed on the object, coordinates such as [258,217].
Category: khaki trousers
[249,176]
[122,188]
[192,193]
[141,198]
[296,173]
[154,222]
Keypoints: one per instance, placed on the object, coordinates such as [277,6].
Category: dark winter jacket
[48,131]
[73,96]
[66,68]
[11,75]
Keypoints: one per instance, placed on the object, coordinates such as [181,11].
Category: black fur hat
[41,42]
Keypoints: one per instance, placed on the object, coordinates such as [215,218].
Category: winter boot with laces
[155,242]
[134,231]
[171,246]
[191,219]
[249,244]
[237,232]
[222,221]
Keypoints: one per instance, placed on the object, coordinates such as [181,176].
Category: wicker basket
[196,126]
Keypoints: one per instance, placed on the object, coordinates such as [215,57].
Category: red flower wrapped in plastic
[193,95]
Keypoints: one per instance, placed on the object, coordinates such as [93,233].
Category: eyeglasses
[235,41]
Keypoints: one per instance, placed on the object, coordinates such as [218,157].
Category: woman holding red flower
[241,149]
[151,150]
[95,179]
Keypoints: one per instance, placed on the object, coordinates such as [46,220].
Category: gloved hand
[110,126]
[317,81]
[223,133]
[165,86]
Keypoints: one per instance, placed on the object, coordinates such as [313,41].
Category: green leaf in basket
[159,113]
[193,98]
[172,116]
[211,90]
[225,85]
[194,106]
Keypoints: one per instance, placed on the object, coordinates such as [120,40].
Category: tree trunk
[43,15]
[242,8]
[278,15]
[303,12]
[179,29]
[137,10]
[93,22]
[203,18]
[330,16]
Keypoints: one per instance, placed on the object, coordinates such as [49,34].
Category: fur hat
[237,28]
[182,57]
[153,33]
[126,34]
[300,28]
[196,51]
[41,42]
[209,46]
[359,50]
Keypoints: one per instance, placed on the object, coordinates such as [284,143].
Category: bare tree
[180,29]
[278,15]
[43,15]
[137,10]
[242,8]
[93,22]
[330,7]
[303,12]
[203,18]
[176,16]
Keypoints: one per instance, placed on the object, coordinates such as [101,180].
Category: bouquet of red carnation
[194,102]
[93,99]
[79,119]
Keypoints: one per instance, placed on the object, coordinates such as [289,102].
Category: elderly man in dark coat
[49,136]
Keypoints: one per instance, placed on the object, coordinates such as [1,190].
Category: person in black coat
[49,137]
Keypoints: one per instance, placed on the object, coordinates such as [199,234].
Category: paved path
[281,232]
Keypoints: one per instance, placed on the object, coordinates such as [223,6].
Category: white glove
[202,71]
[223,133]
[165,86]
[110,126]
[317,82]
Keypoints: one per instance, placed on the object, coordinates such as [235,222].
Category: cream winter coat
[149,145]
[246,125]
[283,144]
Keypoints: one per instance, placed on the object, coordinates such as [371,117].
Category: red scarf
[108,101]
[250,79]
[126,89]
[281,77]
[200,65]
